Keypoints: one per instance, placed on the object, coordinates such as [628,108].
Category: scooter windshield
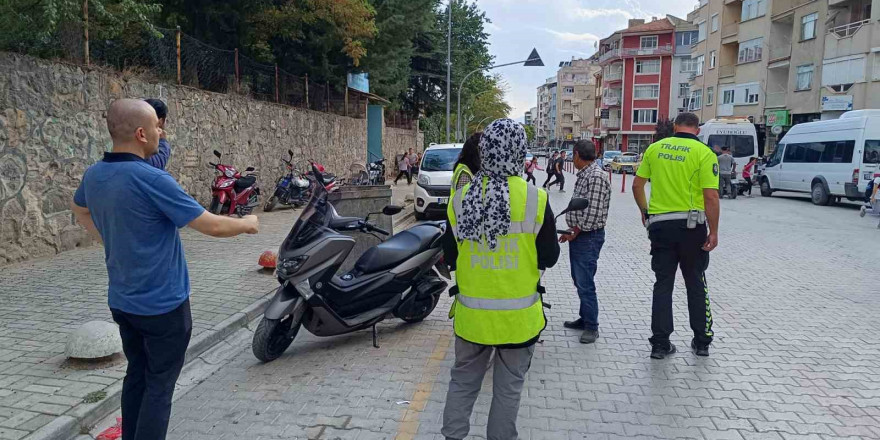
[314,217]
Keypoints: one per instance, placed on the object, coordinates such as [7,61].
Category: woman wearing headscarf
[500,236]
[467,164]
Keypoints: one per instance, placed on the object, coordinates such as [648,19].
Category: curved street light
[533,60]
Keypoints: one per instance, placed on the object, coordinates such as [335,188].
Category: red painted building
[637,79]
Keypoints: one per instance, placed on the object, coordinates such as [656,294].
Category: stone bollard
[94,340]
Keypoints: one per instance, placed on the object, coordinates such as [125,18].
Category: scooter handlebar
[563,232]
[373,228]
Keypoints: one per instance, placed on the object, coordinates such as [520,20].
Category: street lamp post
[448,66]
[533,60]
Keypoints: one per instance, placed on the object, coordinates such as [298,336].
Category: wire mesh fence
[172,56]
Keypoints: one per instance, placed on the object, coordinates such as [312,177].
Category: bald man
[137,210]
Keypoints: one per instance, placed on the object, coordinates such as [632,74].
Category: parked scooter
[232,193]
[376,171]
[290,189]
[395,277]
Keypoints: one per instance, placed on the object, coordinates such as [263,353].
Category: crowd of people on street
[408,165]
[499,240]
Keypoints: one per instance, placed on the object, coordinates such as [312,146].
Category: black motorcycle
[290,189]
[394,278]
[376,172]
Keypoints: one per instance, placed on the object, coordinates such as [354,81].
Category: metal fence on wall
[172,56]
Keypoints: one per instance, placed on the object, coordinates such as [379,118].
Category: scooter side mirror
[392,210]
[576,204]
[290,153]
[217,153]
[248,169]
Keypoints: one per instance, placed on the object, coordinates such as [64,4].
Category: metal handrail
[849,29]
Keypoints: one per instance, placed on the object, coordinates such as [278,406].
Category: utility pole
[448,66]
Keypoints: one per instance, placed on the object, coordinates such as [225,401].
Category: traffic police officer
[682,222]
[500,236]
[467,164]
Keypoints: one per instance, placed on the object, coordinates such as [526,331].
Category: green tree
[55,27]
[663,129]
[530,133]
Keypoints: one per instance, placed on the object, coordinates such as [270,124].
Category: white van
[737,133]
[431,193]
[827,159]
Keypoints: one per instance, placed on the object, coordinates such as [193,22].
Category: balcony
[729,30]
[659,50]
[849,29]
[683,49]
[730,2]
[776,99]
[726,71]
[611,124]
[611,101]
[780,51]
[613,76]
[611,54]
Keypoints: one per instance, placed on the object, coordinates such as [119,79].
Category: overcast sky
[560,30]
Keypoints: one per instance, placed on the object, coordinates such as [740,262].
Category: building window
[714,22]
[804,77]
[700,61]
[696,99]
[689,65]
[648,42]
[712,59]
[875,72]
[649,91]
[710,95]
[568,90]
[808,26]
[701,31]
[648,66]
[749,94]
[727,96]
[684,89]
[685,38]
[644,116]
[750,50]
[753,9]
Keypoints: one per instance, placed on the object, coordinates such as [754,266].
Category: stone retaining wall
[52,128]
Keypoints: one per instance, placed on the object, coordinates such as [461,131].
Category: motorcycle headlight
[424,180]
[287,268]
[226,184]
[229,173]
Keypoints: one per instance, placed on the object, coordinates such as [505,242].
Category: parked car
[627,163]
[431,192]
[607,157]
[826,159]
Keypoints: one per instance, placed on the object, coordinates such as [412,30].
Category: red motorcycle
[231,192]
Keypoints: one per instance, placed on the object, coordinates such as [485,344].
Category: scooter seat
[398,248]
[244,182]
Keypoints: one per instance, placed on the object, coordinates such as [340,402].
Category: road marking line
[409,423]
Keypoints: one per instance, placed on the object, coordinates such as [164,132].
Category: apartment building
[527,117]
[637,73]
[851,59]
[545,122]
[682,67]
[758,59]
[576,93]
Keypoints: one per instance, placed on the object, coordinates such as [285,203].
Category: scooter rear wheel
[273,336]
[425,309]
[270,204]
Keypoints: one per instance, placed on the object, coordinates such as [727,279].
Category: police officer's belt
[701,218]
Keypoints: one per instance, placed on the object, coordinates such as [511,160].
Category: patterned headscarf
[486,213]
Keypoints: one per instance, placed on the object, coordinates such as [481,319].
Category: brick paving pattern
[796,356]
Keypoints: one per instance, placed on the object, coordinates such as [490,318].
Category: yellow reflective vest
[498,302]
[456,174]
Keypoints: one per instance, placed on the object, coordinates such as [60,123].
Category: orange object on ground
[113,432]
[268,259]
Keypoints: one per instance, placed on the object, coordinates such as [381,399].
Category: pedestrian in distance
[587,236]
[531,166]
[467,164]
[727,167]
[403,167]
[558,172]
[682,222]
[160,159]
[500,235]
[747,173]
[137,210]
[551,169]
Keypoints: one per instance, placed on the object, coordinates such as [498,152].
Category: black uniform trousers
[674,246]
[155,347]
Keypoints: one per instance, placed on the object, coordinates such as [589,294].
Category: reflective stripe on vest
[529,225]
[498,304]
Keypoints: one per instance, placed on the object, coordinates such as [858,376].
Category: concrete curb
[83,416]
[71,425]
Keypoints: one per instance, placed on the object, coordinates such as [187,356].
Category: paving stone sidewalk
[796,354]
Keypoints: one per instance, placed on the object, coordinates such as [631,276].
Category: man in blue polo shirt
[137,210]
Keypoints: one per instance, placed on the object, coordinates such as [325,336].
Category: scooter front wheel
[273,336]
